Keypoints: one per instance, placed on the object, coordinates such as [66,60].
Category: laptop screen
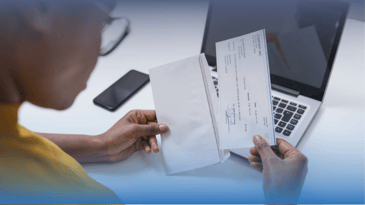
[300,35]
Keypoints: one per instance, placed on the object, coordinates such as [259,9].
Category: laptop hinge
[285,90]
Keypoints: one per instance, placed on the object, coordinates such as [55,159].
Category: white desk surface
[334,143]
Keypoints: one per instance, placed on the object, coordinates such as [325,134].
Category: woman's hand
[136,130]
[284,169]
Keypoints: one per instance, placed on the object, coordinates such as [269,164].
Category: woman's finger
[285,148]
[145,147]
[263,148]
[153,143]
[253,151]
[254,158]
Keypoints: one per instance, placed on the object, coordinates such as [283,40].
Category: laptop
[302,41]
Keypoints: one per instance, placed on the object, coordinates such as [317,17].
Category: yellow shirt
[33,169]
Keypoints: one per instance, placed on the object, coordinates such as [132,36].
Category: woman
[48,52]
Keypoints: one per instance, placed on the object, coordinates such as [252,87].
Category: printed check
[244,91]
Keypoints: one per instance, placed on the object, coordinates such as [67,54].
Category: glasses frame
[126,32]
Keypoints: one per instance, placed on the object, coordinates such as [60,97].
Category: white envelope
[186,101]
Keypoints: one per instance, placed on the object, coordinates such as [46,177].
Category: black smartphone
[121,90]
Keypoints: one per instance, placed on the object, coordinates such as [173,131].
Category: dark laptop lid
[302,37]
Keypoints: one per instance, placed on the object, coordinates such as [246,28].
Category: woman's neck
[9,91]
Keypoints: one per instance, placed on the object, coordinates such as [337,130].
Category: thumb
[147,130]
[286,149]
[263,147]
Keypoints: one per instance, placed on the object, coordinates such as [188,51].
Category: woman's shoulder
[33,164]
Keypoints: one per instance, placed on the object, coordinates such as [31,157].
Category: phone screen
[121,90]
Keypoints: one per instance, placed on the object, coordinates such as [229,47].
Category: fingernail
[163,128]
[258,138]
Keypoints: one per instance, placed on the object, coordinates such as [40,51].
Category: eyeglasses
[115,29]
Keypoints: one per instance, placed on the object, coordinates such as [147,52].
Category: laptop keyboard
[286,114]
